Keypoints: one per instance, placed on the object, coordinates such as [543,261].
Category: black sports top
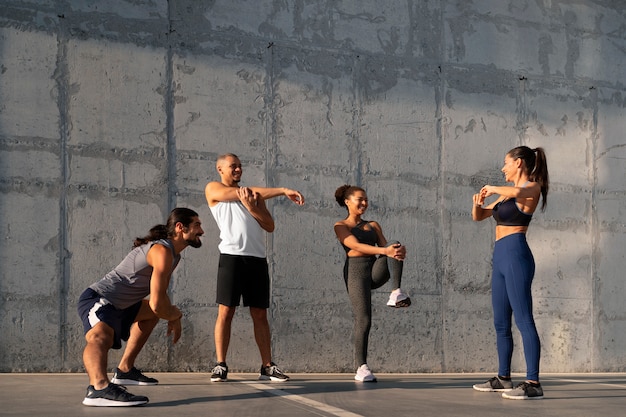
[507,213]
[369,237]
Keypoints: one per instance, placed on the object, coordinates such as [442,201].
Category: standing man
[114,309]
[242,217]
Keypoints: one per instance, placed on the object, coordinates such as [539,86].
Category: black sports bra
[507,213]
[369,237]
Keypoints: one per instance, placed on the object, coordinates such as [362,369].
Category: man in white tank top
[243,219]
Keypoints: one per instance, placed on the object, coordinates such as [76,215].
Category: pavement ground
[327,395]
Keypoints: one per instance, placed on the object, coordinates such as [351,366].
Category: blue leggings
[512,277]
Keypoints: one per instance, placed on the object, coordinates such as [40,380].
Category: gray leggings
[362,275]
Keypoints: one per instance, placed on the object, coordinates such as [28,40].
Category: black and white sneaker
[525,391]
[272,373]
[132,377]
[495,384]
[397,299]
[220,373]
[112,396]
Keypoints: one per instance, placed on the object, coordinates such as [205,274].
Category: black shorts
[92,309]
[243,276]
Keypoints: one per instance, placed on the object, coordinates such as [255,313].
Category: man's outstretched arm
[216,192]
[268,193]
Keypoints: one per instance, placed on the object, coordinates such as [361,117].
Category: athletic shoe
[525,391]
[220,373]
[495,384]
[364,374]
[132,377]
[398,299]
[272,373]
[112,396]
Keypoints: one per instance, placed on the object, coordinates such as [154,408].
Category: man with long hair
[115,309]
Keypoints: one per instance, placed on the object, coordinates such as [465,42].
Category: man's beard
[194,243]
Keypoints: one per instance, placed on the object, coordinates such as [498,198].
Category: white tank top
[240,233]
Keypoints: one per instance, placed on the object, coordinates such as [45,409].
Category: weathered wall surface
[112,113]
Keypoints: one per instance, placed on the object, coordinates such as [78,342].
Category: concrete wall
[112,113]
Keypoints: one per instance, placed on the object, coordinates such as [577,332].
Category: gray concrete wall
[112,113]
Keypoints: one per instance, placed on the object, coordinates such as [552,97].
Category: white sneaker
[398,299]
[364,374]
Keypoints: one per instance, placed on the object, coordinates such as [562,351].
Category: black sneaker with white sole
[112,396]
[220,373]
[132,377]
[272,373]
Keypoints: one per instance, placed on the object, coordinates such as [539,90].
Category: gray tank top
[129,282]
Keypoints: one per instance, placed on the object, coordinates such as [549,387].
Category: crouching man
[115,309]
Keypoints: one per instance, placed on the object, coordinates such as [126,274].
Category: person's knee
[526,326]
[226,313]
[502,325]
[100,335]
[392,242]
[258,314]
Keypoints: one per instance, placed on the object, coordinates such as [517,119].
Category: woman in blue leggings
[514,266]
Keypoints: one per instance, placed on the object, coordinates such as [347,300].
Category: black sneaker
[495,384]
[220,373]
[272,373]
[132,377]
[525,391]
[112,396]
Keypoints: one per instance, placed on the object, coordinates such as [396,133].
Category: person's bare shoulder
[341,223]
[216,192]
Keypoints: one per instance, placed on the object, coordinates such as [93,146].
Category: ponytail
[163,231]
[536,167]
[156,233]
[540,175]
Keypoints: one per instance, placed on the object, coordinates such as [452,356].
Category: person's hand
[478,199]
[295,196]
[487,191]
[247,196]
[396,251]
[174,328]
